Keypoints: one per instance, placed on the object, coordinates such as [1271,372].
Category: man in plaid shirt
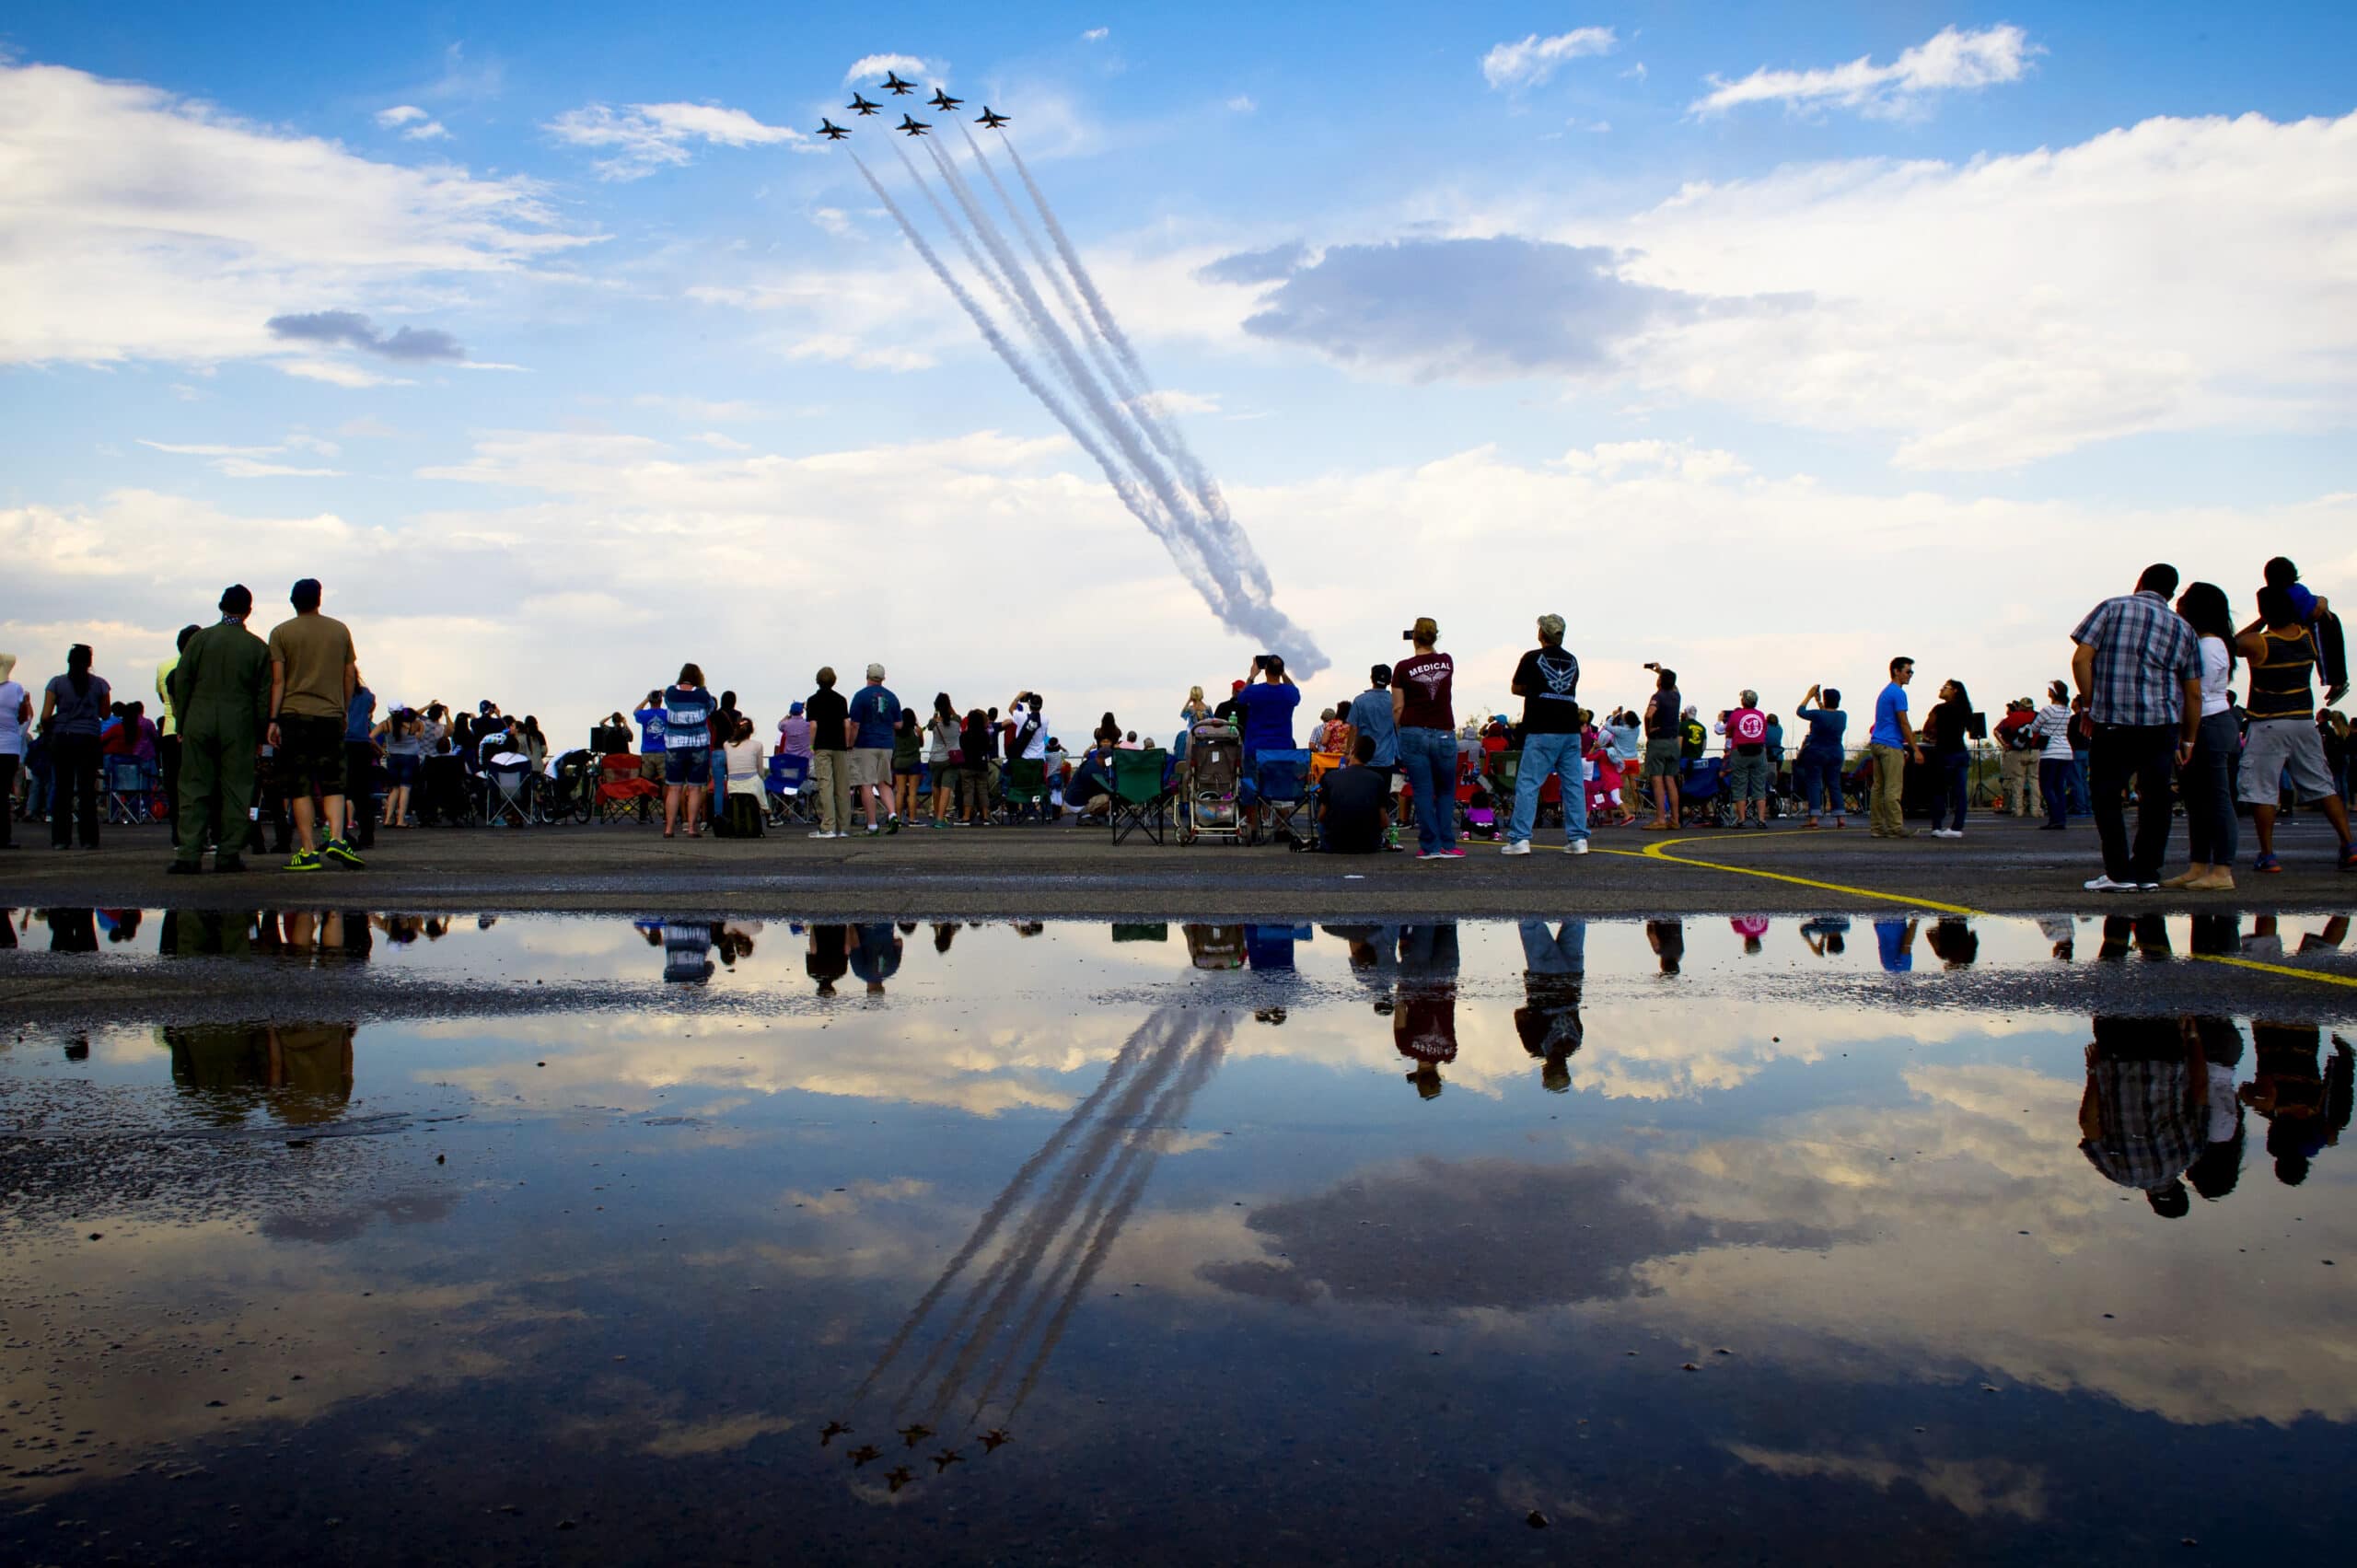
[2139,664]
[2144,1120]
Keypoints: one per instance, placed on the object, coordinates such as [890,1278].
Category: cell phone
[1407,636]
[1650,665]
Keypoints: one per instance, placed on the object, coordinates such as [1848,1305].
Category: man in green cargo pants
[221,694]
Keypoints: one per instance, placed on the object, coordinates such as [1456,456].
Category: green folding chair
[1141,798]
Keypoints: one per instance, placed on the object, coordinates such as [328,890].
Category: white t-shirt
[12,733]
[746,765]
[2217,670]
[1037,751]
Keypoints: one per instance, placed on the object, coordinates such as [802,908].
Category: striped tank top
[2279,686]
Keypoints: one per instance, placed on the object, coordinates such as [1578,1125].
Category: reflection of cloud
[859,1194]
[1479,1233]
[1975,1488]
[686,1440]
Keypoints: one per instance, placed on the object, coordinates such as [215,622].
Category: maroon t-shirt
[1424,681]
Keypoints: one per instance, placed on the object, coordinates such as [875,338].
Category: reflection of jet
[892,83]
[943,102]
[913,127]
[859,105]
[831,131]
[992,122]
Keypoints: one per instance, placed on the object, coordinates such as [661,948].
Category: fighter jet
[859,105]
[943,102]
[892,83]
[831,131]
[913,127]
[992,122]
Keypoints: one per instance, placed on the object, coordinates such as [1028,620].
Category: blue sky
[1913,349]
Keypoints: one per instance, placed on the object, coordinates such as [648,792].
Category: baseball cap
[874,672]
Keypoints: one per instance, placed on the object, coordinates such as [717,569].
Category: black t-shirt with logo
[1549,678]
[1352,801]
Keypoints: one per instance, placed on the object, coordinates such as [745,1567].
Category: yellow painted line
[1659,850]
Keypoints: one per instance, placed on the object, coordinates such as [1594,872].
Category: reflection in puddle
[1121,1243]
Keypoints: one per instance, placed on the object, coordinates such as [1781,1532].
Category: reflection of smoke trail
[1113,416]
[1094,1167]
[996,1213]
[1010,1275]
[1148,1150]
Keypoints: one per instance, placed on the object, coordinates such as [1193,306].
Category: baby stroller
[1211,783]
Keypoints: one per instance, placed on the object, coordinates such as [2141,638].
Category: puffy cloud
[1479,308]
[1949,61]
[1096,35]
[645,137]
[1248,267]
[1530,63]
[413,122]
[873,66]
[142,224]
[349,329]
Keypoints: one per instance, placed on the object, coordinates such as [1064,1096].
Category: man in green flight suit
[221,695]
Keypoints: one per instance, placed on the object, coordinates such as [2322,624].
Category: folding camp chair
[1702,794]
[622,792]
[129,797]
[1282,780]
[507,793]
[789,774]
[1141,793]
[1026,789]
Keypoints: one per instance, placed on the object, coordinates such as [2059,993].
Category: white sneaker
[1946,833]
[1515,846]
[1576,846]
[2105,885]
[822,833]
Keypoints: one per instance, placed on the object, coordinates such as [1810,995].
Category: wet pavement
[1711,1238]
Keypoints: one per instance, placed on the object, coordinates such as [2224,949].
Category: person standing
[2057,765]
[1823,758]
[313,674]
[16,713]
[2139,666]
[1950,733]
[2282,739]
[943,759]
[360,762]
[873,715]
[168,732]
[73,714]
[1745,728]
[2017,759]
[221,690]
[2208,780]
[829,756]
[1423,693]
[653,748]
[1665,748]
[688,713]
[1265,721]
[1548,681]
[1893,744]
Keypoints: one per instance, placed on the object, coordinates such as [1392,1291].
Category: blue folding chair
[1280,778]
[788,775]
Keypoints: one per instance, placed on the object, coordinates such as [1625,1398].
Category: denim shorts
[400,769]
[689,768]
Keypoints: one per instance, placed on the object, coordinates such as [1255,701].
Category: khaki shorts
[2275,747]
[1663,758]
[871,765]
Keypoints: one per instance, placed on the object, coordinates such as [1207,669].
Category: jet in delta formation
[892,83]
[859,105]
[943,102]
[831,131]
[992,122]
[913,127]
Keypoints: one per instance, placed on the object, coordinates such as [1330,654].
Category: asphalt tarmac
[2002,866]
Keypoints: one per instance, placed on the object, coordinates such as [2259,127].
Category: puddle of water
[1766,1241]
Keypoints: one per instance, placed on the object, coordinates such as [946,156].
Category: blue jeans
[2080,802]
[1542,755]
[2058,781]
[1818,774]
[1956,767]
[2207,786]
[1429,758]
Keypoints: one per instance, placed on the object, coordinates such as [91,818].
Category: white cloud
[869,67]
[140,225]
[1242,104]
[244,462]
[246,468]
[413,122]
[703,411]
[835,221]
[1950,61]
[720,443]
[1096,35]
[648,136]
[367,426]
[336,373]
[1171,401]
[1513,66]
[1635,72]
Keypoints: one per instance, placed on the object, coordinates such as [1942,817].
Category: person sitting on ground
[1090,796]
[1354,804]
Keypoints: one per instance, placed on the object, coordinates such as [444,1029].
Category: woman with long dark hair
[72,713]
[1949,724]
[944,761]
[2207,781]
